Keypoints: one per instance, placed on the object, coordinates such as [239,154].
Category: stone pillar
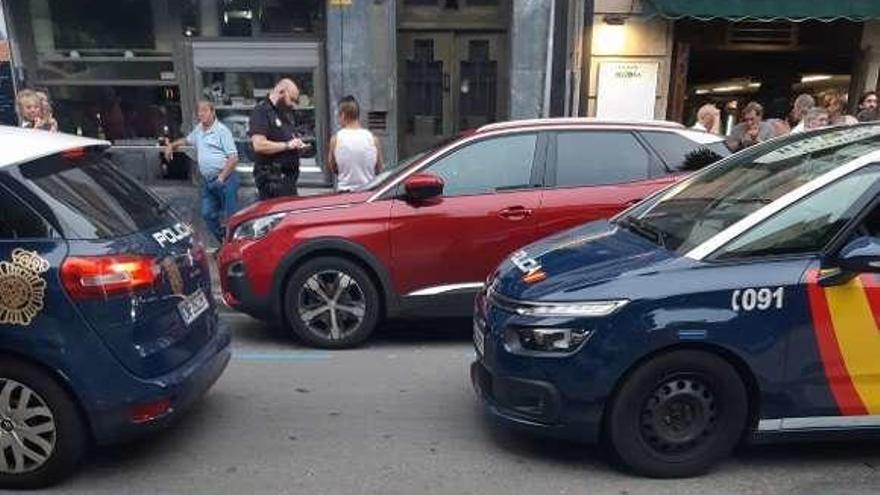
[871,51]
[528,57]
[209,17]
[361,61]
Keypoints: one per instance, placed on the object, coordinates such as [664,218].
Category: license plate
[193,306]
[479,339]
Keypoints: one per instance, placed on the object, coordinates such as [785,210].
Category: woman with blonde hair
[35,111]
[708,119]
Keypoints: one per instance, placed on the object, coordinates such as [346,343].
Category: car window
[86,196]
[808,225]
[18,221]
[587,158]
[680,153]
[712,200]
[487,166]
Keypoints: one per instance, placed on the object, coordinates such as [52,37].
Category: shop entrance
[449,82]
[452,68]
[732,63]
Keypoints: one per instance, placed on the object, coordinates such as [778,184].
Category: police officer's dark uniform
[275,175]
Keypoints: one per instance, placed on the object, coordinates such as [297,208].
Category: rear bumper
[183,387]
[534,406]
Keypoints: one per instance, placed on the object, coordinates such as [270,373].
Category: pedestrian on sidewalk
[708,119]
[35,111]
[802,104]
[868,110]
[276,146]
[835,103]
[816,118]
[752,130]
[354,156]
[217,158]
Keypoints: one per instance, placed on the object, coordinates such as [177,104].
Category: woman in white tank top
[354,155]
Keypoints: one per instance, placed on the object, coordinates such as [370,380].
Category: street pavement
[399,417]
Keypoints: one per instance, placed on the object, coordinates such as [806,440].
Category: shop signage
[340,3]
[627,90]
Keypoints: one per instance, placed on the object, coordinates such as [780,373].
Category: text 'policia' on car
[742,303]
[420,239]
[107,324]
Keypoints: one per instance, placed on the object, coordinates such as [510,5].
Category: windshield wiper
[644,229]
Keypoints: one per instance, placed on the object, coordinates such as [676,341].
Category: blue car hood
[578,259]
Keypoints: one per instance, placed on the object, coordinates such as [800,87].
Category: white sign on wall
[627,90]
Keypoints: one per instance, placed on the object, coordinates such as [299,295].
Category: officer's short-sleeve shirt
[277,126]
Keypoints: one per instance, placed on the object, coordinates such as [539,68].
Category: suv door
[594,174]
[487,210]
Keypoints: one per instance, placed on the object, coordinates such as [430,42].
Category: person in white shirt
[802,104]
[355,155]
[708,119]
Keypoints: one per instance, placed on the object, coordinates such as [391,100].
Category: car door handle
[515,213]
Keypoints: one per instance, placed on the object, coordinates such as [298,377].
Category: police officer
[276,149]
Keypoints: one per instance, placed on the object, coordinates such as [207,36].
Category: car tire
[677,415]
[67,443]
[345,322]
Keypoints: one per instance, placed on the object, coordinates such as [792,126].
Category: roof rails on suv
[579,121]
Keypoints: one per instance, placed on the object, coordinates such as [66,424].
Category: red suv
[420,239]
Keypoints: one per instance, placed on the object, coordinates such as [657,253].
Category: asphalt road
[399,417]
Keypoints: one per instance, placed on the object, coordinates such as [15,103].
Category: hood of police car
[576,264]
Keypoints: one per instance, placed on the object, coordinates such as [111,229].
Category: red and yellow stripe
[846,320]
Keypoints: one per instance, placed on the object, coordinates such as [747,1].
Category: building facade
[426,70]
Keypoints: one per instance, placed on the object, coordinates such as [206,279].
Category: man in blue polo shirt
[217,156]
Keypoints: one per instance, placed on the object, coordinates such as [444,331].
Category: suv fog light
[551,339]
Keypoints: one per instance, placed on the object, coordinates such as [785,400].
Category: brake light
[149,411]
[74,153]
[89,277]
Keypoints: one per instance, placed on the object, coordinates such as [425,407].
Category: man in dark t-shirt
[276,149]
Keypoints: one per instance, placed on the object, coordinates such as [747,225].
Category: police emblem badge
[22,287]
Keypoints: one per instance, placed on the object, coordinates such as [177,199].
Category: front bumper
[238,293]
[184,386]
[534,406]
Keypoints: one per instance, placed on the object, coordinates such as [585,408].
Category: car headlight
[258,227]
[560,340]
[586,309]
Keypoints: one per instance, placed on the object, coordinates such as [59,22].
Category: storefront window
[235,93]
[247,18]
[101,23]
[117,113]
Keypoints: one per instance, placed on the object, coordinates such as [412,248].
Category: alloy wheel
[27,429]
[331,304]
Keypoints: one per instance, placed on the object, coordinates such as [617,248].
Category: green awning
[766,10]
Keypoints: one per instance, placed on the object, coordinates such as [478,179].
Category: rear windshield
[86,196]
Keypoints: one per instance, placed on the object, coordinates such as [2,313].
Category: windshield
[390,172]
[709,202]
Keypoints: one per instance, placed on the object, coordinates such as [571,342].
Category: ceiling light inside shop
[727,89]
[815,78]
[755,85]
[702,91]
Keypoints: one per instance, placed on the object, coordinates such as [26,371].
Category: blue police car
[741,304]
[107,326]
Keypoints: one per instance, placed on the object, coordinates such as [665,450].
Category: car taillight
[89,277]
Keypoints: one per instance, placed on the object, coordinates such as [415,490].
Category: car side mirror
[861,255]
[422,187]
